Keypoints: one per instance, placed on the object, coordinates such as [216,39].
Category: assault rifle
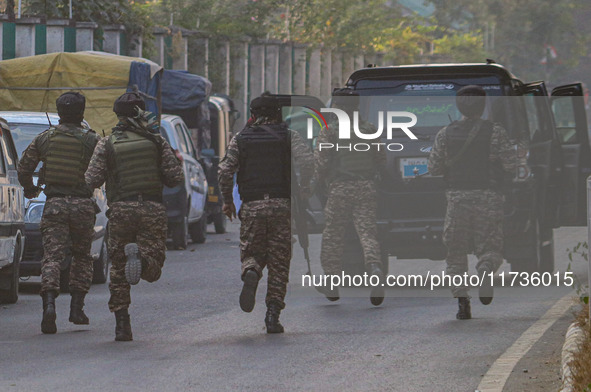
[300,218]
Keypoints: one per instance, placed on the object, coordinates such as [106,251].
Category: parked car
[185,203]
[411,209]
[25,127]
[12,213]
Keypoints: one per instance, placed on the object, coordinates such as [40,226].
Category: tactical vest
[265,162]
[472,169]
[136,168]
[66,160]
[349,164]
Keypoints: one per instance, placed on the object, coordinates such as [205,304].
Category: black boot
[77,315]
[249,290]
[332,294]
[272,319]
[464,311]
[48,322]
[377,292]
[122,326]
[486,290]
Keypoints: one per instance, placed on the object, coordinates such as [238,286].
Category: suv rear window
[432,101]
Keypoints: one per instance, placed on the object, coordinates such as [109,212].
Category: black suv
[412,204]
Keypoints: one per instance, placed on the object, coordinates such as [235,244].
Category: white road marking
[494,380]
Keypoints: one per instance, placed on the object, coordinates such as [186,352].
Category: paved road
[190,334]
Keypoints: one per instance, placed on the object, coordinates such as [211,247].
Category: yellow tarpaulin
[34,83]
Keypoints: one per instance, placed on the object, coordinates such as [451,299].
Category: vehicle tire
[542,257]
[198,230]
[179,231]
[219,222]
[101,265]
[10,277]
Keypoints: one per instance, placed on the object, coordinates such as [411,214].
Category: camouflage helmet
[265,105]
[70,104]
[126,103]
[471,100]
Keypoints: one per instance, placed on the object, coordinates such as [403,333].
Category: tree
[103,12]
[9,9]
[535,39]
[358,26]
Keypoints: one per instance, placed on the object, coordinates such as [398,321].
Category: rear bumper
[416,239]
[423,239]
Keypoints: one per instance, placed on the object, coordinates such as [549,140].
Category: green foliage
[519,33]
[462,47]
[581,249]
[359,26]
[133,16]
[334,23]
[230,18]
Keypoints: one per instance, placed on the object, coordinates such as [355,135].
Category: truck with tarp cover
[34,83]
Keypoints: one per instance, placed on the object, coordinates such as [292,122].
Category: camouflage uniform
[67,222]
[141,222]
[349,200]
[474,218]
[265,225]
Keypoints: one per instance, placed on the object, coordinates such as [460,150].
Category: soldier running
[136,163]
[472,154]
[261,155]
[69,213]
[352,197]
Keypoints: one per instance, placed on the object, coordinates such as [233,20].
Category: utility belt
[142,198]
[265,196]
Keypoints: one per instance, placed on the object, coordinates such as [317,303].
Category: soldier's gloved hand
[178,155]
[33,192]
[229,210]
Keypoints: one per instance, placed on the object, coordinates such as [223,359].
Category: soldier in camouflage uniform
[261,155]
[351,179]
[69,213]
[472,155]
[136,163]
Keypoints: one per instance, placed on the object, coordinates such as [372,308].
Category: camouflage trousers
[349,202]
[67,226]
[144,223]
[473,224]
[265,241]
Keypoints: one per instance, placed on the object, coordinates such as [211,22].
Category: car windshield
[23,135]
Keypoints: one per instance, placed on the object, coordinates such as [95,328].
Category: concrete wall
[25,37]
[56,35]
[85,36]
[112,38]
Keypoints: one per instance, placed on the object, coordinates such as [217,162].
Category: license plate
[411,167]
[212,199]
